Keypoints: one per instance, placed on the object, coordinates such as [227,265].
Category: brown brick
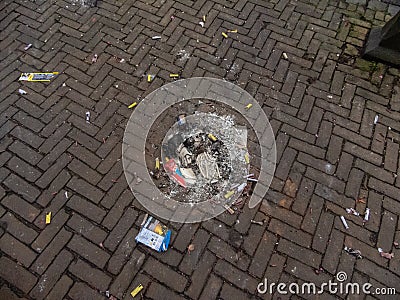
[165,275]
[89,251]
[124,278]
[261,257]
[81,291]
[86,208]
[239,278]
[87,229]
[212,288]
[94,277]
[61,288]
[190,262]
[335,246]
[16,275]
[17,250]
[305,255]
[51,276]
[21,207]
[18,229]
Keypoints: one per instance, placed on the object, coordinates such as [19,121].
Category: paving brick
[61,288]
[51,276]
[305,255]
[94,277]
[22,187]
[16,275]
[89,230]
[18,229]
[20,207]
[212,288]
[165,275]
[81,290]
[89,251]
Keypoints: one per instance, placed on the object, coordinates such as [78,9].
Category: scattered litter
[285,55]
[190,248]
[94,58]
[252,179]
[136,290]
[247,158]
[224,35]
[201,24]
[356,253]
[107,294]
[27,47]
[66,194]
[330,96]
[122,60]
[48,218]
[132,105]
[101,245]
[344,222]
[64,84]
[173,75]
[241,187]
[157,163]
[352,211]
[396,245]
[212,137]
[385,254]
[154,235]
[319,271]
[248,106]
[366,215]
[249,175]
[230,210]
[257,222]
[204,19]
[150,78]
[22,92]
[376,119]
[37,76]
[156,37]
[229,194]
[173,170]
[181,119]
[87,117]
[233,31]
[144,219]
[361,200]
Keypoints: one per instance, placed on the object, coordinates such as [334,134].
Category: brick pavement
[322,101]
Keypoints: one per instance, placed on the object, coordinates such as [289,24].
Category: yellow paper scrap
[224,35]
[248,106]
[136,290]
[212,137]
[173,75]
[132,105]
[247,158]
[157,163]
[48,218]
[204,19]
[150,78]
[233,31]
[229,194]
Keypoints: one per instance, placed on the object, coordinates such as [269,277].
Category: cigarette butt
[156,37]
[132,105]
[204,18]
[137,290]
[230,210]
[224,35]
[229,194]
[212,137]
[233,31]
[366,217]
[285,55]
[344,222]
[247,158]
[150,78]
[173,75]
[248,106]
[48,218]
[157,163]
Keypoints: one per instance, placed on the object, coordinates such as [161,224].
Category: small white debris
[27,47]
[330,96]
[285,55]
[366,216]
[66,194]
[94,58]
[344,222]
[376,119]
[156,37]
[87,117]
[64,84]
[352,211]
[22,92]
[201,24]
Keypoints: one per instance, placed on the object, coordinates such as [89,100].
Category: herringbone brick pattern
[299,59]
